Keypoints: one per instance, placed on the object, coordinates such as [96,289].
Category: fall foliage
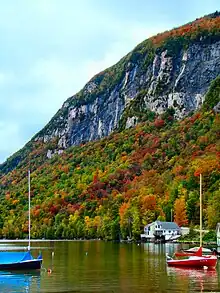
[111,188]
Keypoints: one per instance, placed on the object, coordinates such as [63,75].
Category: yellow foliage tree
[180,216]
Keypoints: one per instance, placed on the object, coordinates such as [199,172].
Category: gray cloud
[50,49]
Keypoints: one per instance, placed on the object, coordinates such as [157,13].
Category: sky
[51,48]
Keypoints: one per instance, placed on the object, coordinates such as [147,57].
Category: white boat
[195,249]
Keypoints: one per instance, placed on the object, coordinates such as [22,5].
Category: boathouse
[158,230]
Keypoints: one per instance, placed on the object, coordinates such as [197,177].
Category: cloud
[10,138]
[50,49]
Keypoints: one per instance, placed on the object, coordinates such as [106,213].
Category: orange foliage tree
[125,219]
[148,208]
[180,216]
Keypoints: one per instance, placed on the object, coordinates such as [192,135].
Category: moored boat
[196,249]
[18,260]
[194,262]
[194,258]
[184,253]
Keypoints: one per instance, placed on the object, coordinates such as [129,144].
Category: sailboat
[21,260]
[195,259]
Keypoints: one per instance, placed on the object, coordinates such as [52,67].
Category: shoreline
[195,242]
[44,240]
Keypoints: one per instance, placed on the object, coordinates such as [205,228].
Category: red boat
[194,261]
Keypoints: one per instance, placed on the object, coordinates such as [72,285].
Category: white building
[218,234]
[184,230]
[161,230]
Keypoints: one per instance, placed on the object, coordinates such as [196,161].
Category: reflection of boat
[194,261]
[211,272]
[196,280]
[12,260]
[11,281]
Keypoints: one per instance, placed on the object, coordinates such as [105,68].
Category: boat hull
[194,262]
[23,265]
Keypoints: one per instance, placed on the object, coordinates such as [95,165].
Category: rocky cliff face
[180,81]
[173,69]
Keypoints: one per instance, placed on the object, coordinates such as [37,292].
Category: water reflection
[161,248]
[195,280]
[19,282]
[98,266]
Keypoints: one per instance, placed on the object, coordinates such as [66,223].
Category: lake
[98,266]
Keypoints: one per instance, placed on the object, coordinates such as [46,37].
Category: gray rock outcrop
[179,81]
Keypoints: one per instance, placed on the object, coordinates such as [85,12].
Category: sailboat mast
[29,210]
[200,210]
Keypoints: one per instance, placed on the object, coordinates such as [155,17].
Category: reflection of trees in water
[141,272]
[155,265]
[193,280]
[176,279]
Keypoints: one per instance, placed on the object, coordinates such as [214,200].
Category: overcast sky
[51,48]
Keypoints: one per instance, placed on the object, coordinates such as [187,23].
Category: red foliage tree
[159,123]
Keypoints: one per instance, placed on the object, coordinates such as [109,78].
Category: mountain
[128,148]
[172,69]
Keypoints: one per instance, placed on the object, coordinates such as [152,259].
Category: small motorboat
[194,262]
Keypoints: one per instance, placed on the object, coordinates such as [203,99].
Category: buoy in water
[49,271]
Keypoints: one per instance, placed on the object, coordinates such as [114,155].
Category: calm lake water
[98,266]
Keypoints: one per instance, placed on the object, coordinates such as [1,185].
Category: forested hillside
[161,106]
[111,188]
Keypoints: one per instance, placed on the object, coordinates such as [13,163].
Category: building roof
[168,225]
[148,225]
